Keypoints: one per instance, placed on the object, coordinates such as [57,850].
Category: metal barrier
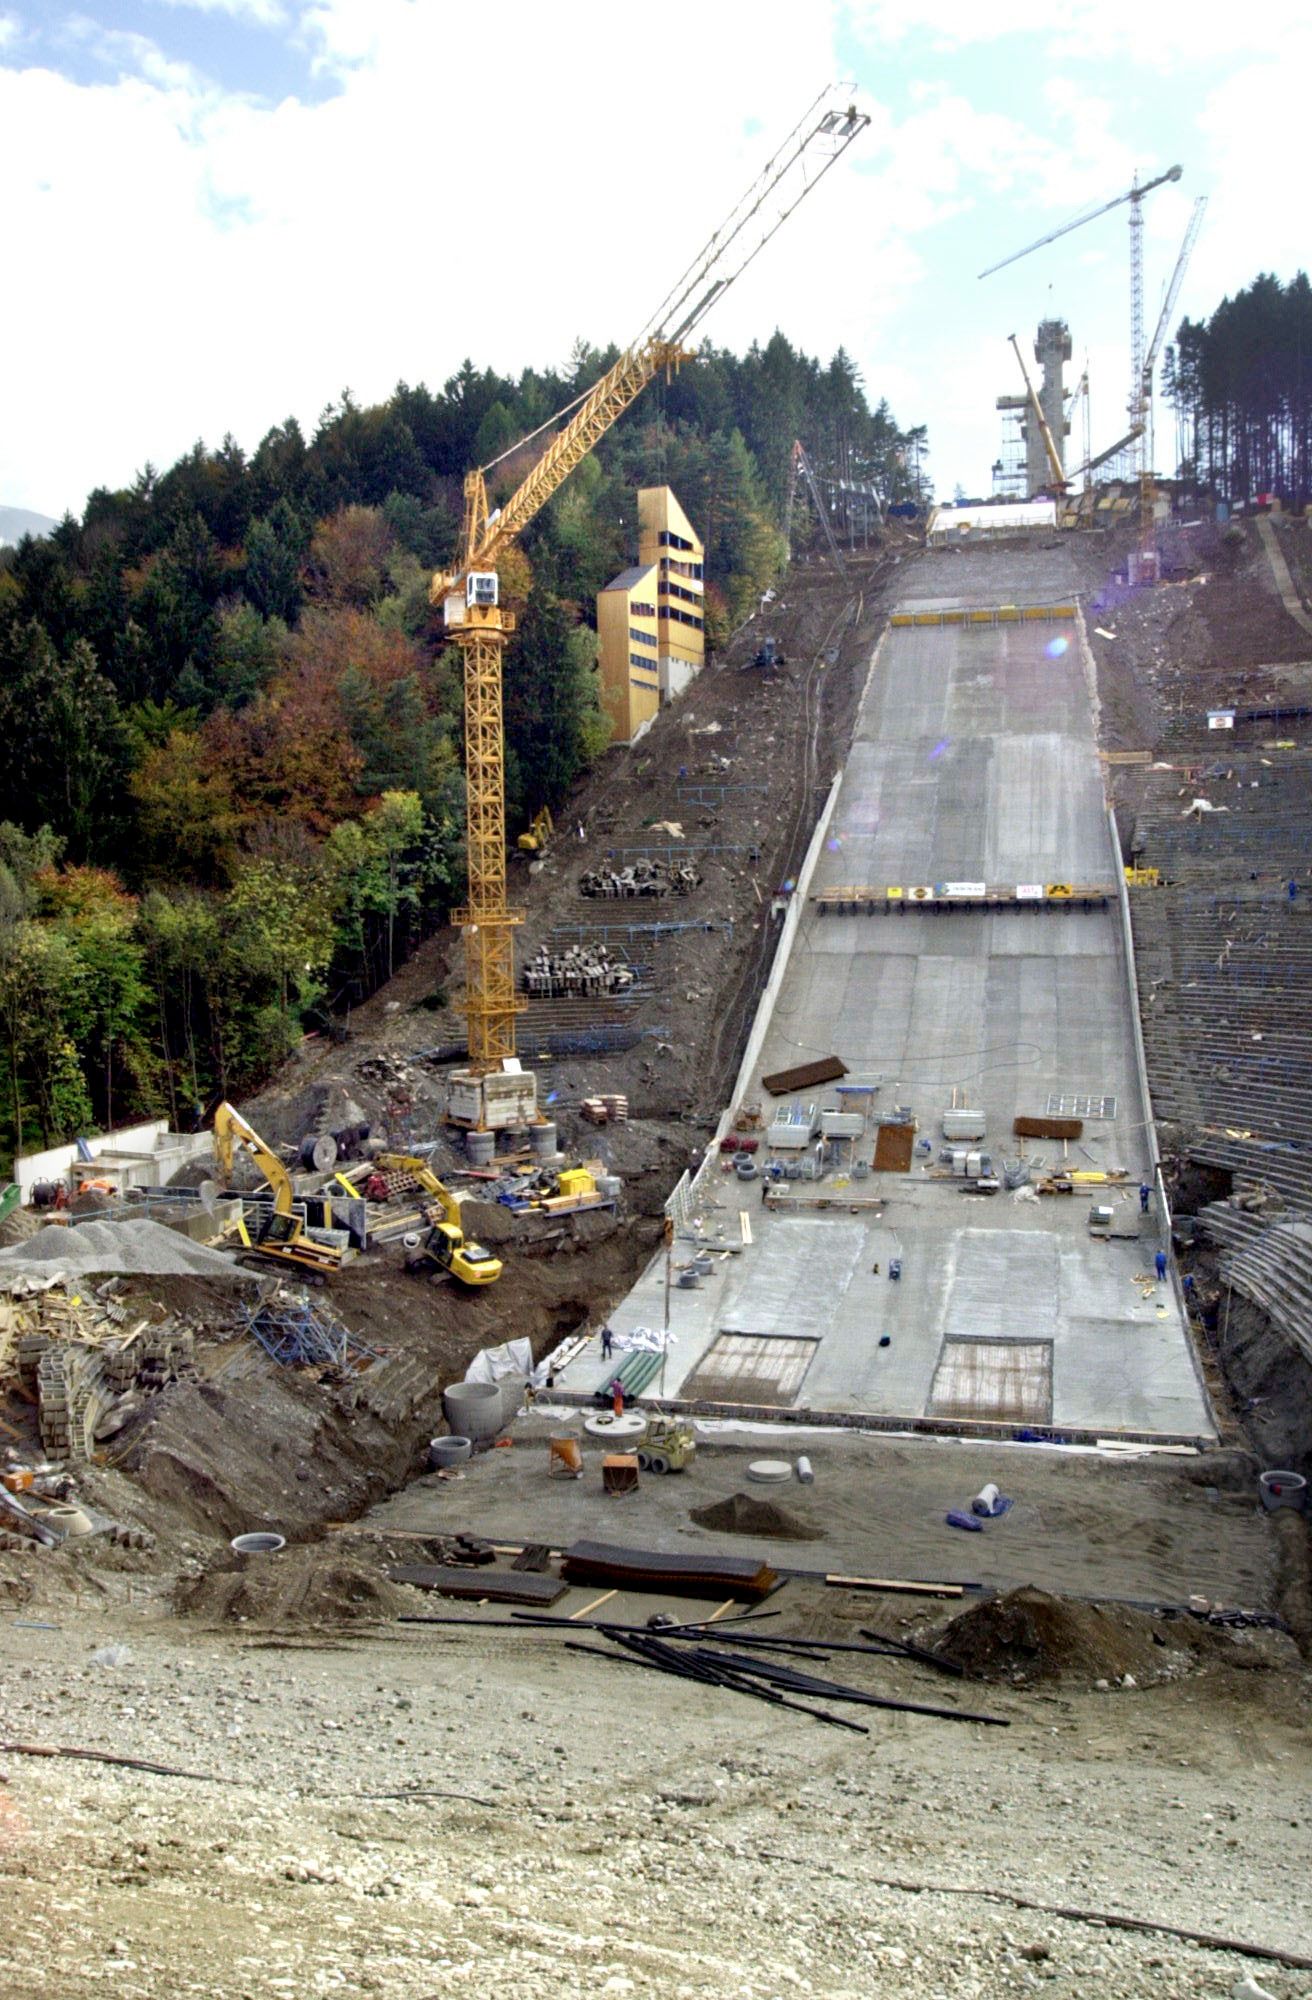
[996,614]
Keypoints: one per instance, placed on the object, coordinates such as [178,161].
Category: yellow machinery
[1045,429]
[469,593]
[668,1446]
[444,1244]
[538,837]
[281,1233]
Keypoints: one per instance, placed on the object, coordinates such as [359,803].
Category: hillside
[15,522]
[235,799]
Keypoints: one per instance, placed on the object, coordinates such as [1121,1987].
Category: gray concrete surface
[974,758]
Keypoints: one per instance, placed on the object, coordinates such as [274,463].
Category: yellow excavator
[280,1233]
[538,837]
[443,1246]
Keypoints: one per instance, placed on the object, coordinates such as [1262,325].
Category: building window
[668,540]
[636,660]
[642,610]
[643,638]
[677,590]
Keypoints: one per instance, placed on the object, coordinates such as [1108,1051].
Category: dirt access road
[409,1811]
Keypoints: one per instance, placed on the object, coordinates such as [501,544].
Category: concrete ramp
[974,762]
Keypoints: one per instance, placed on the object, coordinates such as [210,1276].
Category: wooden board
[783,1081]
[1048,1128]
[897,1586]
[744,1578]
[894,1145]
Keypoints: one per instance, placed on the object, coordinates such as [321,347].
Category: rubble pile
[640,878]
[75,1360]
[578,972]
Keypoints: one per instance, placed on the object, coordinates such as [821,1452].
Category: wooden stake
[899,1585]
[584,1609]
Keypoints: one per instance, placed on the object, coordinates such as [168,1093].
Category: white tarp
[643,1340]
[494,1364]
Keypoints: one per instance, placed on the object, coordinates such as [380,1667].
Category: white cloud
[197,261]
[204,262]
[1163,35]
[265,13]
[124,53]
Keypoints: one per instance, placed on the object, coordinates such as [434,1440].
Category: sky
[221,213]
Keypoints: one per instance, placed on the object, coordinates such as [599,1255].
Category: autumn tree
[347,562]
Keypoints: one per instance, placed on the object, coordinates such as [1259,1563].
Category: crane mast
[1138,403]
[478,625]
[802,465]
[1146,488]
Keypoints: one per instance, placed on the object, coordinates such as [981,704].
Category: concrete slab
[974,758]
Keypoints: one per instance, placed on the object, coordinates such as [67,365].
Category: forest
[1241,387]
[233,798]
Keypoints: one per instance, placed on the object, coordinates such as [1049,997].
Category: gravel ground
[685,1846]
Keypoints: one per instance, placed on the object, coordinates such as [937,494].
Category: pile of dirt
[489,1222]
[19,1225]
[1028,1635]
[744,1514]
[142,1247]
[298,1587]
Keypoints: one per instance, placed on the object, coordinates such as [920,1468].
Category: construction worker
[607,1342]
[617,1396]
[1161,1266]
[1145,1195]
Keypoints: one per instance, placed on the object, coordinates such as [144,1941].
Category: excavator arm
[420,1172]
[230,1130]
[1049,442]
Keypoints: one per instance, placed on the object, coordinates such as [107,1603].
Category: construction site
[841,1239]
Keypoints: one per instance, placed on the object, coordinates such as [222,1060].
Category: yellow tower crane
[469,593]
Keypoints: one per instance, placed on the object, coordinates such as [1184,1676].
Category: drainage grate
[1071,1105]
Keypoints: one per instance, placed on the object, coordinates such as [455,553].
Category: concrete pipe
[543,1140]
[443,1452]
[474,1409]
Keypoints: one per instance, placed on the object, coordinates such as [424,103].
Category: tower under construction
[1023,469]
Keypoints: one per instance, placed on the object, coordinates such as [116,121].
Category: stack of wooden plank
[741,1577]
[607,1108]
[493,1586]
